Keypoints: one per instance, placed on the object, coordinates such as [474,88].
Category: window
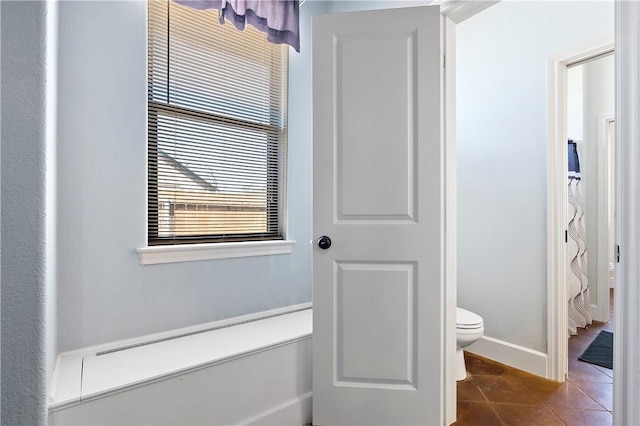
[217,102]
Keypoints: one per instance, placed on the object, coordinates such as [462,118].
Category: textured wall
[24,281]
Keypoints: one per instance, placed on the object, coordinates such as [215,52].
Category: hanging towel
[574,161]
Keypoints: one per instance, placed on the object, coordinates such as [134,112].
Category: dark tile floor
[495,394]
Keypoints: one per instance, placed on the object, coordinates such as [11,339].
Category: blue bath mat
[600,351]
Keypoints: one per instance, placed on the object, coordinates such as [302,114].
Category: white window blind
[217,103]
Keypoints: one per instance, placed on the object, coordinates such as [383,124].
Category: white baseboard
[515,356]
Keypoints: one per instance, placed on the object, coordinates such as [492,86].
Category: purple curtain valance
[279,19]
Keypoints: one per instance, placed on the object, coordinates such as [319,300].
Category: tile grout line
[590,397]
[490,405]
[549,407]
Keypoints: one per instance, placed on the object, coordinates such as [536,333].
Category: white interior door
[383,321]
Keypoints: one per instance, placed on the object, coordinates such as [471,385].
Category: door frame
[605,153]
[557,199]
[626,356]
[451,218]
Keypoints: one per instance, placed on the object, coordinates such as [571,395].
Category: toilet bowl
[469,328]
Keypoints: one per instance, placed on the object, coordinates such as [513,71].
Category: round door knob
[324,242]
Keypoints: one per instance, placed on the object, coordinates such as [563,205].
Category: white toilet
[469,328]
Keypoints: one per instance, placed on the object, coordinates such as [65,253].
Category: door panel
[386,357]
[379,194]
[363,54]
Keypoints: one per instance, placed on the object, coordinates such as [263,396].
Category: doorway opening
[577,294]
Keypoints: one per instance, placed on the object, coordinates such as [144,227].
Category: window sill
[194,252]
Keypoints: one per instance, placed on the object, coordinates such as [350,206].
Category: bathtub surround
[261,370]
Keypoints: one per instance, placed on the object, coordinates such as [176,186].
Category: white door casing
[557,315]
[626,356]
[383,306]
[605,220]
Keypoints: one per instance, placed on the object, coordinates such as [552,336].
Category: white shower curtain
[577,281]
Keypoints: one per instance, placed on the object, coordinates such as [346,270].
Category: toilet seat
[469,329]
[466,320]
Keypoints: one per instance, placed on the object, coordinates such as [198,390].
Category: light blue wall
[502,58]
[340,6]
[104,294]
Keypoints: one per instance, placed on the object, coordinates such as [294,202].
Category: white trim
[459,11]
[600,311]
[626,356]
[119,344]
[192,252]
[557,315]
[557,321]
[66,384]
[451,259]
[515,356]
[51,184]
